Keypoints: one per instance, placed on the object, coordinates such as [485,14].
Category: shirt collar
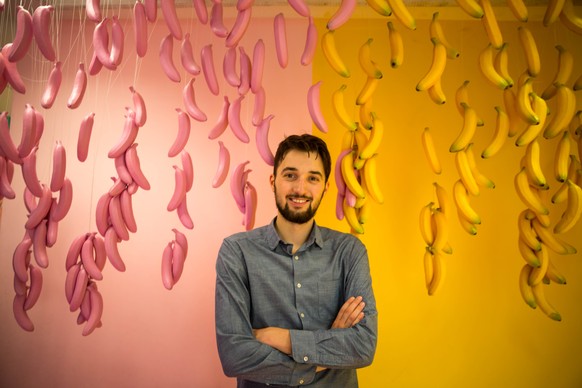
[273,238]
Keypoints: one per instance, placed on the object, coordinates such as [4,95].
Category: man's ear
[272,181]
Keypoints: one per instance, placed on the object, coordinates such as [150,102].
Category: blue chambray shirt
[260,283]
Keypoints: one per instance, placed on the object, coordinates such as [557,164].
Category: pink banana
[222,122]
[61,208]
[39,244]
[29,173]
[84,136]
[94,318]
[134,167]
[281,48]
[71,279]
[11,73]
[20,314]
[339,206]
[171,18]
[30,201]
[310,43]
[117,42]
[180,239]
[101,44]
[59,167]
[99,251]
[20,287]
[52,86]
[41,210]
[184,215]
[259,107]
[258,66]
[93,10]
[95,65]
[128,136]
[350,197]
[7,145]
[183,134]
[300,6]
[239,27]
[102,213]
[234,120]
[342,14]
[127,211]
[167,60]
[52,230]
[339,178]
[250,206]
[314,107]
[111,241]
[189,99]
[23,36]
[223,165]
[6,190]
[74,251]
[88,259]
[229,67]
[139,107]
[122,170]
[201,11]
[178,259]
[41,22]
[151,8]
[188,168]
[117,187]
[217,20]
[241,5]
[167,276]
[262,140]
[132,187]
[85,310]
[38,126]
[179,194]
[79,87]
[21,258]
[28,136]
[207,63]
[187,56]
[116,218]
[245,72]
[140,28]
[237,184]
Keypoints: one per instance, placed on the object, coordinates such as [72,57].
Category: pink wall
[150,336]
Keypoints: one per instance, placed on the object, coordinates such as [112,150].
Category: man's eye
[314,179]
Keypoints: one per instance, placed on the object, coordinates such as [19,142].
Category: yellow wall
[476,331]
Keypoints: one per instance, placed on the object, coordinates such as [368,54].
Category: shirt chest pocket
[329,293]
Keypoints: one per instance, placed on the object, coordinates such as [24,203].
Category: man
[294,300]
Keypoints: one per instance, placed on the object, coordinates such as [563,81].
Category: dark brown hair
[305,143]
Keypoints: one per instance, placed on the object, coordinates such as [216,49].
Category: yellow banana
[380,6]
[574,172]
[364,210]
[554,274]
[438,272]
[501,64]
[543,304]
[361,139]
[371,179]
[527,253]
[537,274]
[480,178]
[367,90]
[573,211]
[462,95]
[347,169]
[471,8]
[427,230]
[437,67]
[553,10]
[430,151]
[530,49]
[531,131]
[524,287]
[441,229]
[351,217]
[467,131]
[526,232]
[562,157]
[564,112]
[489,21]
[516,123]
[467,225]
[518,9]
[499,136]
[428,267]
[461,198]
[376,135]
[569,18]
[366,114]
[339,109]
[436,31]
[396,46]
[549,238]
[331,54]
[524,102]
[436,93]
[465,173]
[563,72]
[442,197]
[365,58]
[529,195]
[533,166]
[402,13]
[487,67]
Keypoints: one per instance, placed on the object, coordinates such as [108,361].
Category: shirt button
[296,257]
[302,315]
[298,285]
[301,381]
[305,358]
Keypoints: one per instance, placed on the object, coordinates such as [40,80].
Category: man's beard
[297,217]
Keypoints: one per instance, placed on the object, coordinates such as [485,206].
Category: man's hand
[275,337]
[350,314]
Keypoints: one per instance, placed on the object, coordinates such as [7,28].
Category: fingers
[350,314]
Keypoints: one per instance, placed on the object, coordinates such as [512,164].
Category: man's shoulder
[338,237]
[247,234]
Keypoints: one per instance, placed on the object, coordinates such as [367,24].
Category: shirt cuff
[303,348]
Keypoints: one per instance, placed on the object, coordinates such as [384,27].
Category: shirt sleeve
[240,353]
[344,348]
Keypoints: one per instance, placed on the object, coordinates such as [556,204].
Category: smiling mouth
[298,200]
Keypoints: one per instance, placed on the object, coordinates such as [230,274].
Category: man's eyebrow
[313,172]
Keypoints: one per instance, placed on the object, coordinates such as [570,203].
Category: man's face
[299,186]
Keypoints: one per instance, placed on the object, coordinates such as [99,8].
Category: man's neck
[293,233]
